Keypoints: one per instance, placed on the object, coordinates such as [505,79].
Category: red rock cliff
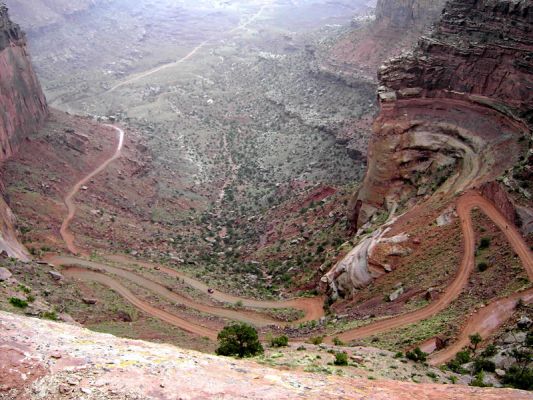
[23,110]
[22,103]
[454,109]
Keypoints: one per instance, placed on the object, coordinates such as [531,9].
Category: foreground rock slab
[43,359]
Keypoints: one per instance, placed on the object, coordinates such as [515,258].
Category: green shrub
[456,367]
[482,364]
[341,359]
[416,355]
[280,341]
[489,351]
[24,288]
[475,340]
[484,243]
[316,340]
[482,266]
[520,378]
[479,380]
[432,375]
[399,354]
[337,342]
[239,340]
[51,315]
[19,303]
[463,357]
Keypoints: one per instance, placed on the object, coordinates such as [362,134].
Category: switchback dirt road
[484,321]
[67,236]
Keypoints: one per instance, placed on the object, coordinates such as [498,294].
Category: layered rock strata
[455,113]
[23,110]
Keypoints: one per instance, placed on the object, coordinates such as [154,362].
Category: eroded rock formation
[452,110]
[455,113]
[23,110]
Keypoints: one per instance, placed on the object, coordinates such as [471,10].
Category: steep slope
[45,359]
[23,110]
[455,113]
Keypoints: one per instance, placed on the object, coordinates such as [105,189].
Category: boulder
[397,293]
[56,275]
[5,274]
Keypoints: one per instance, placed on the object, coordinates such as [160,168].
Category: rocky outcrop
[43,359]
[23,110]
[455,114]
[454,109]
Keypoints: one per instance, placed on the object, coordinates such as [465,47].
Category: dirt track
[69,199]
[141,305]
[484,321]
[465,204]
[250,317]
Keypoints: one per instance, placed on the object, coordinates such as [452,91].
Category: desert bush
[489,351]
[239,340]
[520,378]
[280,341]
[484,243]
[479,380]
[482,266]
[316,340]
[341,359]
[19,303]
[416,355]
[482,364]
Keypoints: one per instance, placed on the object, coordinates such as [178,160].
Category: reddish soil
[465,204]
[69,199]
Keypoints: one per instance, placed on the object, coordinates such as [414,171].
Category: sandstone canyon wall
[23,110]
[451,108]
[455,113]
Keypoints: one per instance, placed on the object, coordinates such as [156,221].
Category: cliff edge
[42,359]
[23,110]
